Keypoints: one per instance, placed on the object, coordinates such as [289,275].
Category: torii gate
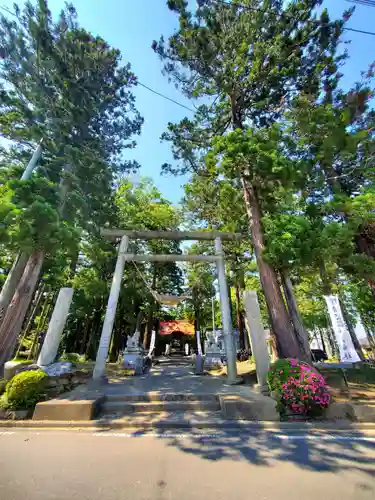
[123,257]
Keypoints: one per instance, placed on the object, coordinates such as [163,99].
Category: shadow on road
[317,451]
[314,449]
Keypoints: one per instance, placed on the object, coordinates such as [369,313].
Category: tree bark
[244,341]
[31,319]
[299,329]
[116,341]
[322,341]
[286,342]
[84,338]
[150,314]
[42,319]
[138,321]
[96,322]
[357,345]
[16,312]
[73,265]
[10,285]
[370,337]
[287,345]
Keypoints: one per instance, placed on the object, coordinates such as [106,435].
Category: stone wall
[55,387]
[65,383]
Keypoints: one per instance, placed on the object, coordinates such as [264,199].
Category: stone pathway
[176,376]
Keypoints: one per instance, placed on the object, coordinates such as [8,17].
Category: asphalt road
[61,465]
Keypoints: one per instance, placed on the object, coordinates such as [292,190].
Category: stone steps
[153,406]
[117,405]
[161,397]
[175,420]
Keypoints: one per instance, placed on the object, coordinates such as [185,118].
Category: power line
[228,4]
[361,31]
[369,3]
[252,9]
[7,10]
[138,82]
[164,96]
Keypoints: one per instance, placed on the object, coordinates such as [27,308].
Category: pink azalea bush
[298,388]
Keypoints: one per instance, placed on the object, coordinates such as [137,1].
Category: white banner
[199,345]
[348,354]
[152,342]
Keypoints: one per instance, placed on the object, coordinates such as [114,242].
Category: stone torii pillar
[226,316]
[55,328]
[110,314]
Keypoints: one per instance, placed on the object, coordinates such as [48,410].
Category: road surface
[261,465]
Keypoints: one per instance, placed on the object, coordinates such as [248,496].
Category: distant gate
[183,326]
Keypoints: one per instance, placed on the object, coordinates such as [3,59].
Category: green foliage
[3,384]
[279,373]
[73,357]
[25,389]
[62,84]
[137,206]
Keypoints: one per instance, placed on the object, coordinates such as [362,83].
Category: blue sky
[132,25]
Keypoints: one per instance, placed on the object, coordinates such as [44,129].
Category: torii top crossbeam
[170,235]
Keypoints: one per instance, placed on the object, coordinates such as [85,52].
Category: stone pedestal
[134,355]
[133,361]
[214,352]
[257,338]
[199,364]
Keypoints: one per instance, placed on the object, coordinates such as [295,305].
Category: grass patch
[22,360]
[244,369]
[359,383]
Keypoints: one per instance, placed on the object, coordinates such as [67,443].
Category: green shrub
[279,373]
[73,357]
[3,402]
[3,384]
[26,389]
[299,388]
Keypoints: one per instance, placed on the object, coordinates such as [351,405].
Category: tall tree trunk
[31,319]
[96,323]
[357,345]
[150,314]
[244,340]
[370,338]
[327,287]
[77,336]
[82,348]
[299,329]
[286,341]
[42,320]
[16,312]
[73,264]
[10,285]
[138,320]
[364,241]
[116,341]
[366,246]
[322,341]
